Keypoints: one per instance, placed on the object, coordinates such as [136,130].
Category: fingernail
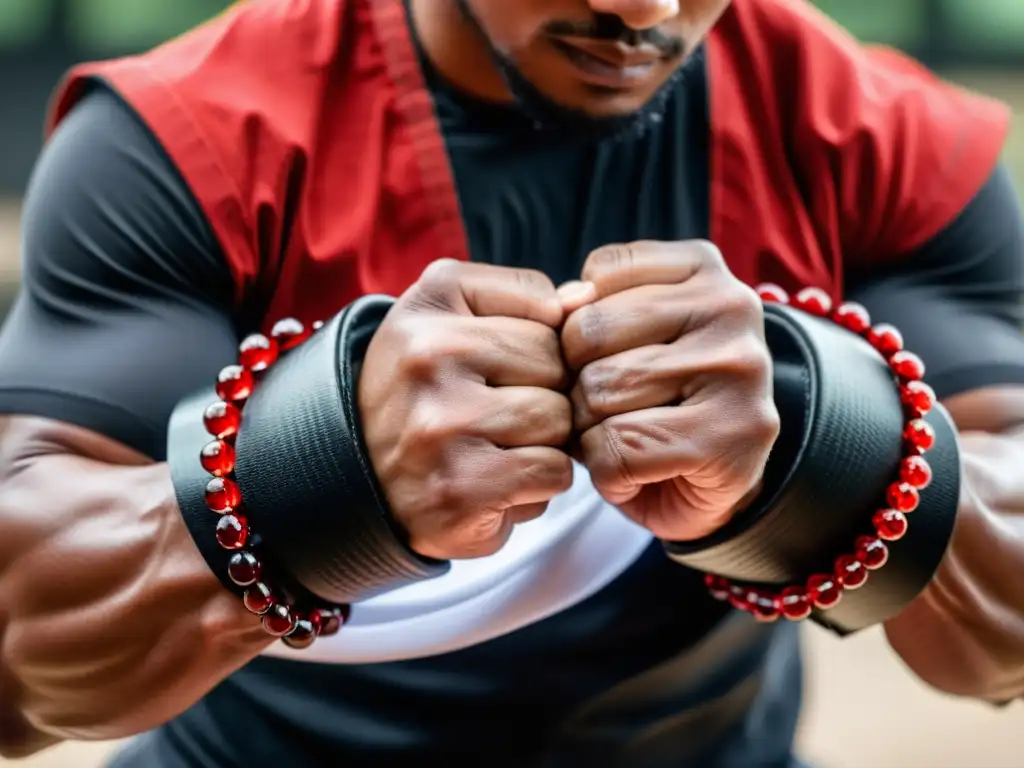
[576,293]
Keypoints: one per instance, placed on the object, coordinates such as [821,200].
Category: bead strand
[889,523]
[222,419]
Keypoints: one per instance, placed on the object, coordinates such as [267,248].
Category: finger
[575,294]
[510,352]
[667,374]
[634,380]
[487,290]
[619,267]
[526,512]
[638,317]
[515,417]
[487,484]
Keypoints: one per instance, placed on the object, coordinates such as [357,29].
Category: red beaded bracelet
[222,419]
[871,552]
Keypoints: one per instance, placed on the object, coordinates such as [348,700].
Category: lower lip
[598,72]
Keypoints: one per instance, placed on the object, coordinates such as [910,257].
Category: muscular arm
[110,620]
[959,303]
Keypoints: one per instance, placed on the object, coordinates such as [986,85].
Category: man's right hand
[462,402]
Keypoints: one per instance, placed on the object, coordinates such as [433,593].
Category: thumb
[575,294]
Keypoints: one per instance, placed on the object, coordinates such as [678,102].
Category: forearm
[114,623]
[965,633]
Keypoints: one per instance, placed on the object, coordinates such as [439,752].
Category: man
[568,159]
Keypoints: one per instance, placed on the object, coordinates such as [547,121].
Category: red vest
[305,131]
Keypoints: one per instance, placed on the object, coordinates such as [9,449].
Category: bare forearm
[114,623]
[965,633]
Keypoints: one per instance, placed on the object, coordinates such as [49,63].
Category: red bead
[257,352]
[232,532]
[278,621]
[244,569]
[289,333]
[890,524]
[332,620]
[772,294]
[853,317]
[907,365]
[795,605]
[222,420]
[740,597]
[234,383]
[917,398]
[871,551]
[766,607]
[222,495]
[718,586]
[814,301]
[258,598]
[886,340]
[823,590]
[919,435]
[218,458]
[902,497]
[850,572]
[302,635]
[315,619]
[915,471]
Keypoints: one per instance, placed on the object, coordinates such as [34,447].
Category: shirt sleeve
[958,300]
[125,304]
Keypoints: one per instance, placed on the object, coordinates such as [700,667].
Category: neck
[454,47]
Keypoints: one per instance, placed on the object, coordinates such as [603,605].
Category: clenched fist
[673,398]
[463,407]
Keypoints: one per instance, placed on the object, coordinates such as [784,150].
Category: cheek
[511,25]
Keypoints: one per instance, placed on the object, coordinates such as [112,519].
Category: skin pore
[598,68]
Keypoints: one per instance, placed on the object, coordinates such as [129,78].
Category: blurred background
[864,710]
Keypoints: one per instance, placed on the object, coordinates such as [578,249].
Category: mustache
[611,29]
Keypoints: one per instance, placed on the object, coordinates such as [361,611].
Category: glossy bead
[907,365]
[302,635]
[278,621]
[915,471]
[222,495]
[850,572]
[258,598]
[331,621]
[814,301]
[795,605]
[772,294]
[257,352]
[890,524]
[871,551]
[317,325]
[852,316]
[222,420]
[886,340]
[234,383]
[315,619]
[717,586]
[765,607]
[244,569]
[902,497]
[218,458]
[917,398]
[919,436]
[823,590]
[289,333]
[232,532]
[740,597]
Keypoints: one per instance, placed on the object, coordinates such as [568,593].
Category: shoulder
[885,152]
[106,206]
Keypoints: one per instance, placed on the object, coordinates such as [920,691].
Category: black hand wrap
[839,449]
[308,486]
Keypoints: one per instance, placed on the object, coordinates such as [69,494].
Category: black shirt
[126,307]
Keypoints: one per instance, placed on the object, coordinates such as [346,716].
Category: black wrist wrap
[308,486]
[839,449]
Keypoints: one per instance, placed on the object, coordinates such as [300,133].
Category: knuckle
[480,535]
[709,254]
[612,258]
[596,384]
[586,333]
[442,273]
[431,424]
[534,282]
[742,302]
[554,474]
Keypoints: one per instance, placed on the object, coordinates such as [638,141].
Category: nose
[638,14]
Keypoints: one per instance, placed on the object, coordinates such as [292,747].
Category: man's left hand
[673,398]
